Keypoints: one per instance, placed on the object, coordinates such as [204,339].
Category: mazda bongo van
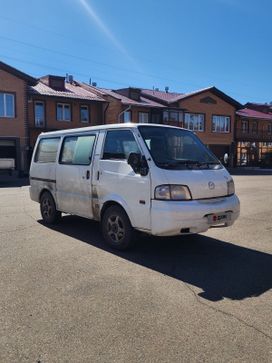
[157,179]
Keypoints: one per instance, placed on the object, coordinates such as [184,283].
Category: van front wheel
[49,212]
[116,228]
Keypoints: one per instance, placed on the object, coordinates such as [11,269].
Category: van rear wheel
[116,228]
[48,209]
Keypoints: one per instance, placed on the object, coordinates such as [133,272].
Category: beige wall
[221,107]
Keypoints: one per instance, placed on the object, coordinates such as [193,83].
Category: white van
[157,179]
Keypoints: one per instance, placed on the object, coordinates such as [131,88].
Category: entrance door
[118,182]
[74,175]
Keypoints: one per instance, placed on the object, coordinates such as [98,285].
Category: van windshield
[173,148]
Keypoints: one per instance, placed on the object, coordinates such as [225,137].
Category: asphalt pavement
[65,297]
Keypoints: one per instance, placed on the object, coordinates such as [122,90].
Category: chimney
[55,82]
[70,78]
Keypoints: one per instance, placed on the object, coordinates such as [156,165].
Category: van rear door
[74,174]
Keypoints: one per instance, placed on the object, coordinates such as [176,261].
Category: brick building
[29,106]
[209,112]
[14,128]
[253,134]
[128,105]
[56,103]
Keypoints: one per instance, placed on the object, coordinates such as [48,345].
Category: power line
[77,40]
[84,59]
[60,70]
[46,67]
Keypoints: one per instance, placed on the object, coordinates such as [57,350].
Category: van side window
[77,150]
[119,144]
[47,150]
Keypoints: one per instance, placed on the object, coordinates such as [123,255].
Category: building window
[143,117]
[39,114]
[7,105]
[194,121]
[172,116]
[221,124]
[127,116]
[244,126]
[63,112]
[269,128]
[84,113]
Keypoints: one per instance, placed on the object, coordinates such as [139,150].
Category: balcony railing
[253,135]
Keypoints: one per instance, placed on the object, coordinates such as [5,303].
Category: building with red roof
[30,106]
[56,103]
[253,134]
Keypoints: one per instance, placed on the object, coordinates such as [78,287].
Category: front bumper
[168,218]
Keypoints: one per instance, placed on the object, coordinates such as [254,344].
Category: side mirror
[138,163]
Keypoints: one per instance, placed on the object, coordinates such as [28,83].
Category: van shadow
[220,269]
[13,182]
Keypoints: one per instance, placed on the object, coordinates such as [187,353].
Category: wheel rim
[115,228]
[47,208]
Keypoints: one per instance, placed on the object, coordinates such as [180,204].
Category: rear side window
[77,150]
[47,150]
[119,144]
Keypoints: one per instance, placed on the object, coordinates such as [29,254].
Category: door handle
[88,174]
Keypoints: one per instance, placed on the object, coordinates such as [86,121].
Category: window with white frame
[194,121]
[84,113]
[63,112]
[221,124]
[39,114]
[143,117]
[7,105]
[127,116]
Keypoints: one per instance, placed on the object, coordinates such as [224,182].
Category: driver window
[119,144]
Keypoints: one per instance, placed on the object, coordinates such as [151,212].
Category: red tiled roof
[172,97]
[161,95]
[72,90]
[143,101]
[247,112]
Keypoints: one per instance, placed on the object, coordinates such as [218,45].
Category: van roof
[103,127]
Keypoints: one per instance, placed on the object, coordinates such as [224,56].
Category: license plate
[218,218]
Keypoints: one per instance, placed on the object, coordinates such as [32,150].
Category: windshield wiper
[208,163]
[175,163]
[187,163]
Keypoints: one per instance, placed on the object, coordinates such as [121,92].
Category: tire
[48,209]
[116,228]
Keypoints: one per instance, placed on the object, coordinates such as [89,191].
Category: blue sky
[183,44]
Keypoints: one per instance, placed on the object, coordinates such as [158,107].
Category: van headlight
[172,192]
[231,187]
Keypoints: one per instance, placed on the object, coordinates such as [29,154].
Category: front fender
[119,200]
